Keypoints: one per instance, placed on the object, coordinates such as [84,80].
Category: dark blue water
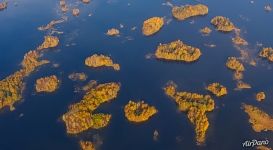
[40,127]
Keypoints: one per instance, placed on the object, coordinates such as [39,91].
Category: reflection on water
[36,122]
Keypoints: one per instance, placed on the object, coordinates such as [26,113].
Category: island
[239,41]
[205,30]
[217,89]
[261,147]
[87,145]
[47,84]
[85,1]
[267,53]
[139,111]
[234,64]
[177,51]
[195,105]
[184,12]
[75,12]
[260,96]
[49,42]
[78,76]
[152,25]
[12,87]
[259,120]
[222,24]
[80,116]
[99,60]
[237,75]
[113,32]
[50,25]
[64,7]
[242,85]
[31,61]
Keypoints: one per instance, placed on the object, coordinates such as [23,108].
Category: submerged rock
[47,84]
[155,135]
[78,76]
[217,89]
[113,32]
[237,75]
[152,25]
[259,120]
[222,24]
[195,105]
[86,145]
[184,12]
[80,116]
[139,111]
[267,53]
[267,7]
[100,61]
[260,96]
[177,51]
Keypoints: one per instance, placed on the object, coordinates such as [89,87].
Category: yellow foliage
[49,42]
[11,89]
[260,96]
[195,105]
[184,12]
[113,32]
[222,24]
[217,89]
[31,61]
[177,51]
[47,84]
[152,25]
[262,147]
[234,64]
[139,111]
[80,116]
[243,85]
[239,41]
[237,75]
[86,145]
[260,120]
[199,119]
[205,30]
[267,53]
[100,61]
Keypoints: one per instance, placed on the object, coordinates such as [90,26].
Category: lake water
[36,123]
